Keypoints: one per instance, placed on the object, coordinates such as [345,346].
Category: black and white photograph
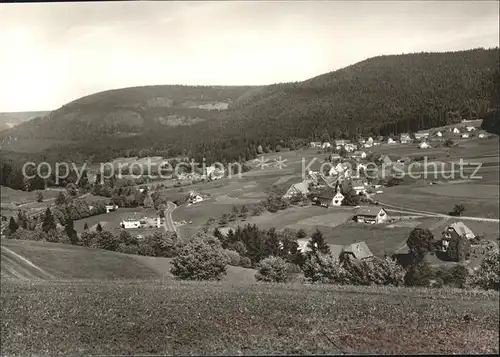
[217,178]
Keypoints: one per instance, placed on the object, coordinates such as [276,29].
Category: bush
[458,249]
[458,210]
[200,259]
[418,274]
[375,271]
[487,276]
[128,249]
[245,262]
[323,268]
[163,244]
[273,269]
[143,248]
[233,258]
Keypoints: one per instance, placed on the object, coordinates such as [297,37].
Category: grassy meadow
[136,317]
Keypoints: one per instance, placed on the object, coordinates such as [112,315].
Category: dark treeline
[384,95]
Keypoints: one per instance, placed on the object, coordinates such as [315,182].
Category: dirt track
[15,266]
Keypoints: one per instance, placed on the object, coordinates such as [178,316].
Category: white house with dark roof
[422,135]
[372,215]
[359,186]
[358,154]
[130,222]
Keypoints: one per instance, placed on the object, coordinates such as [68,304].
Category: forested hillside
[130,111]
[382,95]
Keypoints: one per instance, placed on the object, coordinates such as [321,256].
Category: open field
[20,197]
[442,198]
[136,317]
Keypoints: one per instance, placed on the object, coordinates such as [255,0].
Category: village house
[439,134]
[404,138]
[350,147]
[297,189]
[481,135]
[335,249]
[329,199]
[337,169]
[386,161]
[372,215]
[471,128]
[335,157]
[465,136]
[111,208]
[130,222]
[424,145]
[359,187]
[421,135]
[326,145]
[391,141]
[456,130]
[358,251]
[315,144]
[340,142]
[369,142]
[358,155]
[376,143]
[194,197]
[454,231]
[214,173]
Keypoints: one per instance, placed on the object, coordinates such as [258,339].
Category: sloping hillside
[10,119]
[412,91]
[381,95]
[41,260]
[127,111]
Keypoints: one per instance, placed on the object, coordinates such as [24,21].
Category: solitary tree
[99,227]
[420,242]
[301,234]
[86,227]
[318,244]
[48,221]
[458,210]
[70,230]
[39,196]
[13,226]
[60,199]
[200,259]
[22,220]
[243,212]
[418,274]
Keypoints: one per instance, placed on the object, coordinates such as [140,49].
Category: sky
[53,53]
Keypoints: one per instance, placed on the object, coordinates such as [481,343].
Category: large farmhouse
[297,189]
[372,215]
[359,251]
[454,231]
[130,222]
[329,200]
